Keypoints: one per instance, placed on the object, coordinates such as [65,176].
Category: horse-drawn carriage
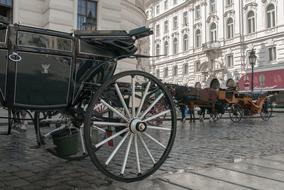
[217,101]
[72,75]
[241,105]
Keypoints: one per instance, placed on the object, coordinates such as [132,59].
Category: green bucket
[66,141]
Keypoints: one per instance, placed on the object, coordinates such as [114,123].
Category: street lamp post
[252,60]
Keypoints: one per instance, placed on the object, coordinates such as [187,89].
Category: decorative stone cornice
[212,18]
[185,30]
[268,1]
[229,13]
[197,25]
[166,38]
[157,41]
[175,34]
[203,3]
[251,5]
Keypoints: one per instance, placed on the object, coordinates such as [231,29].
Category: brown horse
[205,99]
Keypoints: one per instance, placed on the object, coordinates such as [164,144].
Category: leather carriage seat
[117,42]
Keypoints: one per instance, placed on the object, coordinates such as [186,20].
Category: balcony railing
[211,46]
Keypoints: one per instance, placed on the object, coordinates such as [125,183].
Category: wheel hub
[136,125]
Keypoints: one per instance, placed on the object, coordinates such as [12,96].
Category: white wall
[238,46]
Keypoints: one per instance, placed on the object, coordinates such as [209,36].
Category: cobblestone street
[197,145]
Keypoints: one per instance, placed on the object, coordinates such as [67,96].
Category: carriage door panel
[3,62]
[43,76]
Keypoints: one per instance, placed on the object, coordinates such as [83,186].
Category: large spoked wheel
[126,146]
[267,110]
[235,113]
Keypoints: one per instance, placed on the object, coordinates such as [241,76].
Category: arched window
[185,42]
[270,15]
[197,66]
[166,47]
[175,70]
[213,32]
[157,49]
[215,84]
[251,22]
[185,68]
[198,38]
[175,46]
[230,28]
[166,72]
[158,73]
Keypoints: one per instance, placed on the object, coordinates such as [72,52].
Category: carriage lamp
[252,60]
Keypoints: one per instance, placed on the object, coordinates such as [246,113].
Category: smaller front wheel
[235,113]
[267,110]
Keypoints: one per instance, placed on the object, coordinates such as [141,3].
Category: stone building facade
[207,42]
[69,15]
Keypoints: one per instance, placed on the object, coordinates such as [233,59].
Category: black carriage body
[53,69]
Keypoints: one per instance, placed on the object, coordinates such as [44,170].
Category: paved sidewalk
[261,174]
[202,152]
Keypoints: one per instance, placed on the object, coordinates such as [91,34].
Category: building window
[166,47]
[157,30]
[87,15]
[166,72]
[197,38]
[166,4]
[157,49]
[272,53]
[229,3]
[251,22]
[213,32]
[197,66]
[270,15]
[185,42]
[212,6]
[197,12]
[175,22]
[185,19]
[174,2]
[175,46]
[230,28]
[158,73]
[185,68]
[157,9]
[166,26]
[175,70]
[6,9]
[230,60]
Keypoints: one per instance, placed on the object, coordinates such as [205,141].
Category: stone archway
[230,83]
[215,84]
[197,85]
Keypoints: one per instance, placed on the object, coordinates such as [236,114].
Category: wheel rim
[266,111]
[235,114]
[138,147]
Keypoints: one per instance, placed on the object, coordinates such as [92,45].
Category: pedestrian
[183,112]
[20,122]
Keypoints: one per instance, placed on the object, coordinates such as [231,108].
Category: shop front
[272,80]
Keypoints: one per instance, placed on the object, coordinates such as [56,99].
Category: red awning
[265,81]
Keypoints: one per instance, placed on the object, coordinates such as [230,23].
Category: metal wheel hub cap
[136,125]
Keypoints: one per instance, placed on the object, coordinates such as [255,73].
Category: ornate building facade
[69,15]
[207,42]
